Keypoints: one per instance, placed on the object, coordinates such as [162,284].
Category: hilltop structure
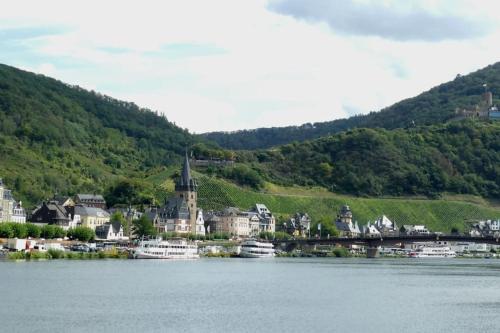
[10,209]
[483,110]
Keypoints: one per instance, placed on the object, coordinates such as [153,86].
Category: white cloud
[225,65]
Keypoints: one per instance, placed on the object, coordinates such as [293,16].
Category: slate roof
[92,197]
[186,182]
[51,212]
[347,227]
[7,195]
[174,208]
[102,231]
[90,211]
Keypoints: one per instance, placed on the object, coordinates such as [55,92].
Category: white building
[200,223]
[371,230]
[110,231]
[10,210]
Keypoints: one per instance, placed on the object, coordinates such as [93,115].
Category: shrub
[83,234]
[341,252]
[16,256]
[6,230]
[20,230]
[55,254]
[34,231]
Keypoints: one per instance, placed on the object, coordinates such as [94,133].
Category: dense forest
[60,138]
[435,106]
[458,157]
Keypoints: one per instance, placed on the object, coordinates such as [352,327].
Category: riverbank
[58,254]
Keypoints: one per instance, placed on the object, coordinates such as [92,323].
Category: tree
[6,230]
[34,231]
[48,231]
[83,234]
[127,192]
[327,227]
[20,230]
[52,231]
[143,227]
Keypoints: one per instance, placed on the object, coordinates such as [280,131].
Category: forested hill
[459,157]
[432,107]
[56,137]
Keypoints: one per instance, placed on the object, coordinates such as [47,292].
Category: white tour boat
[252,248]
[433,252]
[176,248]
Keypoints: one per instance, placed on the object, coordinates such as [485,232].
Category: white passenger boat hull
[153,256]
[166,249]
[255,249]
[253,255]
[433,252]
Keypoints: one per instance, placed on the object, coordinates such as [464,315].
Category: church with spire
[180,214]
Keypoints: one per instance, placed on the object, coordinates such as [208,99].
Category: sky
[225,65]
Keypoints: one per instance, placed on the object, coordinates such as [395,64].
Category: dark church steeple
[186,188]
[186,183]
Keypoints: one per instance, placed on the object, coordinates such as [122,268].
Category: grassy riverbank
[57,254]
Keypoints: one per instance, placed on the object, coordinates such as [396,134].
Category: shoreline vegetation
[58,254]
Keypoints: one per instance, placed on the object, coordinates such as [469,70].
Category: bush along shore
[58,254]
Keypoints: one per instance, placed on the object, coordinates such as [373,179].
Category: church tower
[187,189]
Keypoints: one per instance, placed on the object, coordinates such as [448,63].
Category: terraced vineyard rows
[438,215]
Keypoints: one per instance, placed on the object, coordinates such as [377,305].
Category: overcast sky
[227,65]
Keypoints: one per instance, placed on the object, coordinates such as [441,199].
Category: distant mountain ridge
[434,106]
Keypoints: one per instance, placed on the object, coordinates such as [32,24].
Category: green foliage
[341,252]
[83,234]
[437,215]
[61,138]
[55,254]
[218,235]
[328,227]
[52,231]
[34,231]
[16,255]
[20,230]
[459,157]
[143,227]
[128,192]
[6,230]
[243,175]
[170,234]
[280,235]
[431,107]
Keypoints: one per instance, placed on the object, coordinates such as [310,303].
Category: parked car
[80,248]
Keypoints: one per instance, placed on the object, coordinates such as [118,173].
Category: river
[237,295]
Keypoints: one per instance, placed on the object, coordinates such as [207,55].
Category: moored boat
[252,248]
[176,248]
[433,252]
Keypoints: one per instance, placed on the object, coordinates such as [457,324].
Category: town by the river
[251,295]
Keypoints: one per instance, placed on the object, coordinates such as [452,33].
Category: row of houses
[89,212]
[238,223]
[299,225]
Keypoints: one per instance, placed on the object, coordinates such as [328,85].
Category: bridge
[372,243]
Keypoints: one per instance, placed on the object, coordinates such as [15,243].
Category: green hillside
[60,138]
[439,215]
[461,157]
[431,107]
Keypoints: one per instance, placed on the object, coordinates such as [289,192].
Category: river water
[252,295]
